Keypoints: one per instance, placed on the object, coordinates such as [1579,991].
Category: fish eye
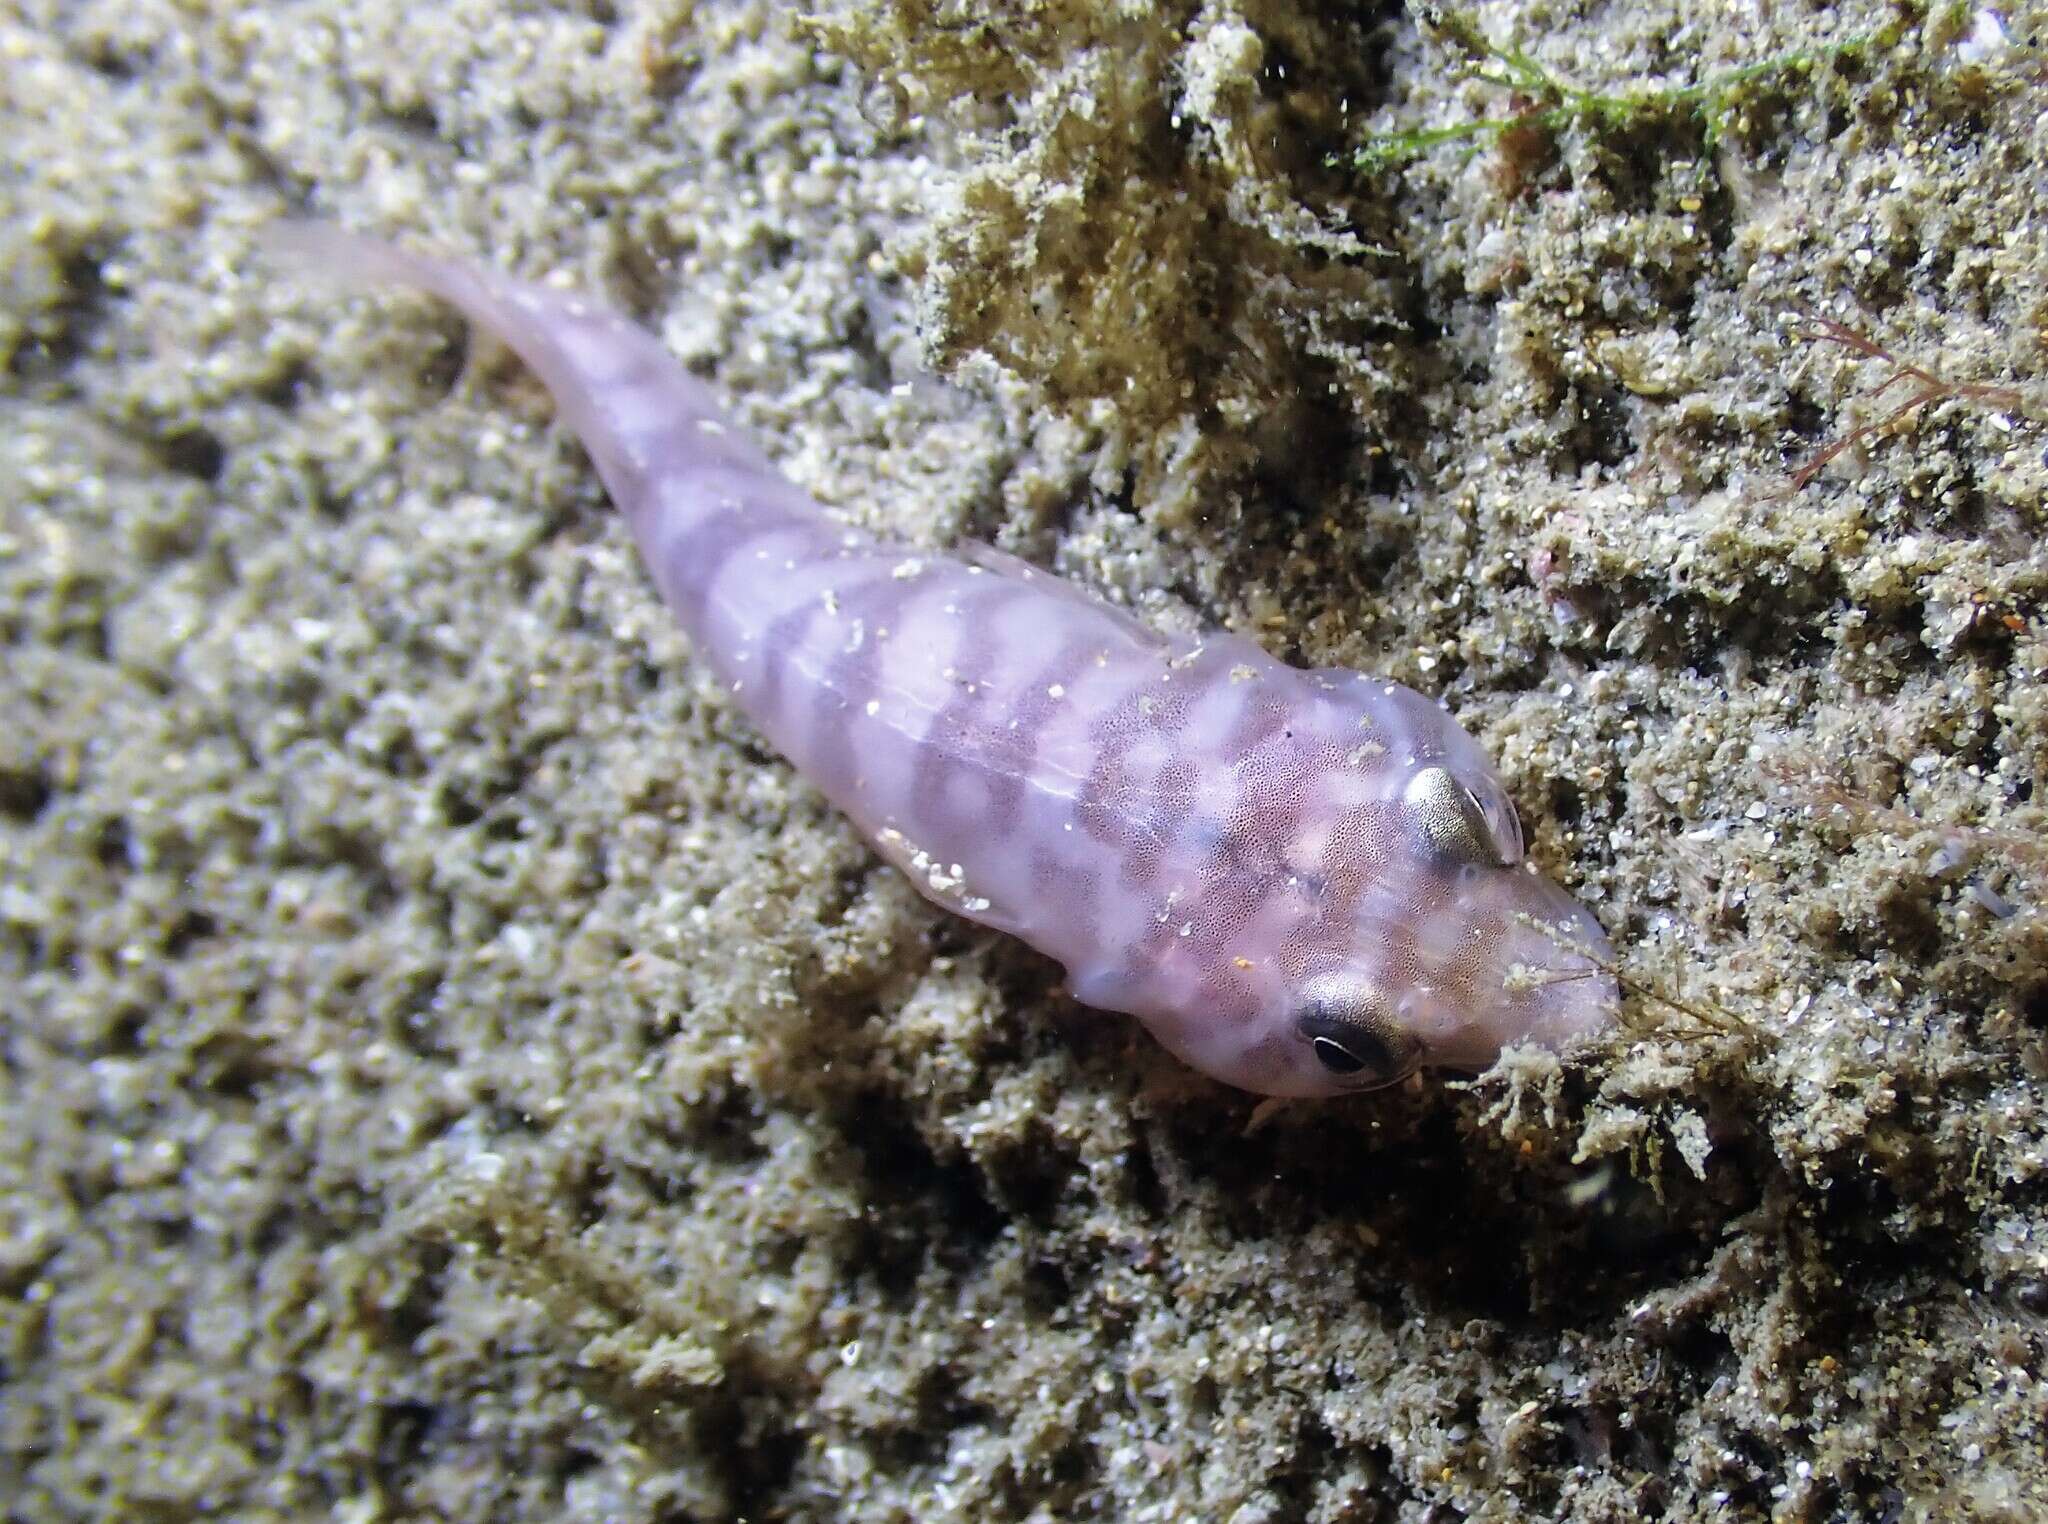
[1365,1052]
[1455,822]
[1350,1035]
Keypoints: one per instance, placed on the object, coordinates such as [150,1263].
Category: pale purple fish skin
[1303,883]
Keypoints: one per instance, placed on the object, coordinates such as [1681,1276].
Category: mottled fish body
[1302,882]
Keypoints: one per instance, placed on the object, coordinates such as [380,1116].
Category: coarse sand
[453,1071]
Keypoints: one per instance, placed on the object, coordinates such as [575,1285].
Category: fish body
[1302,882]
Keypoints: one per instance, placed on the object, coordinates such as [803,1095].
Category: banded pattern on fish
[1303,882]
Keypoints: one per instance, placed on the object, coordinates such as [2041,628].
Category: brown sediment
[450,1069]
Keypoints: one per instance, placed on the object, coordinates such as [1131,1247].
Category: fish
[1303,883]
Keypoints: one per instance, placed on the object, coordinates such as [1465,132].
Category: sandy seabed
[452,1071]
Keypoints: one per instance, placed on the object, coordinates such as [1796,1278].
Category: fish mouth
[1545,979]
[1559,983]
